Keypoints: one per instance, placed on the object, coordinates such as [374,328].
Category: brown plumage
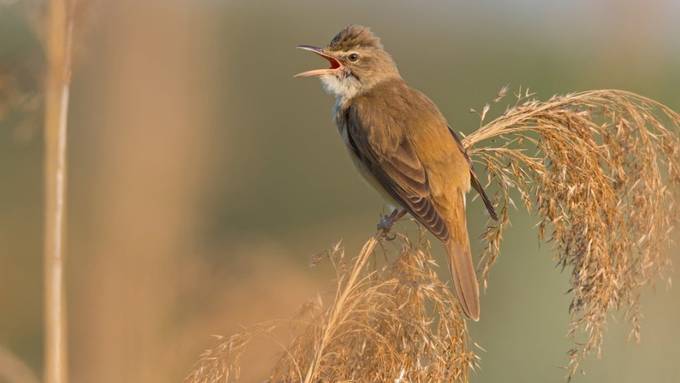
[401,143]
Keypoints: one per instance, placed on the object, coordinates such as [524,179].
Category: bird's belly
[372,181]
[368,176]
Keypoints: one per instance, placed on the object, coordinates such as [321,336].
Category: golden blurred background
[203,177]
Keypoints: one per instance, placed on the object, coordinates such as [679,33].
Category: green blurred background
[203,176]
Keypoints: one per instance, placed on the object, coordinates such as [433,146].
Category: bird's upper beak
[335,64]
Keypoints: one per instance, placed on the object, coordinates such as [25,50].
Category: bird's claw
[385,230]
[386,223]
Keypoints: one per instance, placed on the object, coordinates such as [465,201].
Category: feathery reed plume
[601,169]
[398,323]
[59,42]
[603,179]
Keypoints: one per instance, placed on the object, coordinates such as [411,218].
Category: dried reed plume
[399,323]
[600,170]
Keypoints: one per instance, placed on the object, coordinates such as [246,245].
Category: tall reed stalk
[59,36]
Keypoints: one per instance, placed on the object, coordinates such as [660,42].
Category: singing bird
[401,143]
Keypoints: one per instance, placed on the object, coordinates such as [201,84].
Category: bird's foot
[387,221]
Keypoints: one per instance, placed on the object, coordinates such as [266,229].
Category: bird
[403,146]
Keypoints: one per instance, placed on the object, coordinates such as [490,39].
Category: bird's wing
[390,157]
[418,165]
[474,181]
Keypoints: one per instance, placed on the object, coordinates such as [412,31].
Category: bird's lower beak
[335,64]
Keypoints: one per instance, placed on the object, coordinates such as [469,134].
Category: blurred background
[203,177]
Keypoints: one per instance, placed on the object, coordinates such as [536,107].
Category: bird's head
[357,62]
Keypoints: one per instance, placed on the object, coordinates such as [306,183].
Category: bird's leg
[387,221]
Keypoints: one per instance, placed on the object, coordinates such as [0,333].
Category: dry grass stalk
[59,37]
[399,323]
[603,179]
[601,169]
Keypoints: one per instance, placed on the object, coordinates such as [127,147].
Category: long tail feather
[464,278]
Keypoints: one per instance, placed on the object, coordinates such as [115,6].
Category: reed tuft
[600,170]
[397,323]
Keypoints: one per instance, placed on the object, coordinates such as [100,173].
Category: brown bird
[402,145]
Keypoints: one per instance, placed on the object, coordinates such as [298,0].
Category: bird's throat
[342,87]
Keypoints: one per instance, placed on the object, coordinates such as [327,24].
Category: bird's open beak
[335,64]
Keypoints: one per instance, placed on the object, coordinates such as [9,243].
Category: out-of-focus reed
[59,38]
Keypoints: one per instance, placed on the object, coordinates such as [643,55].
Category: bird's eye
[353,57]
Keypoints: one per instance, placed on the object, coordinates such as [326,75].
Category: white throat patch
[344,88]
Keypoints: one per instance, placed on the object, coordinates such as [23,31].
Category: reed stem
[338,307]
[59,33]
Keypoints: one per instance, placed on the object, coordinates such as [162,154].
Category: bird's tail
[464,279]
[460,262]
